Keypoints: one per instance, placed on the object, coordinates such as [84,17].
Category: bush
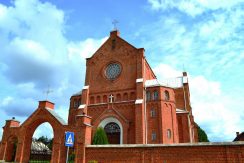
[202,136]
[100,137]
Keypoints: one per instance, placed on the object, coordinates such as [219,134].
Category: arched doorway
[11,149]
[41,145]
[112,130]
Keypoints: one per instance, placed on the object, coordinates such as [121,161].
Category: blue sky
[44,42]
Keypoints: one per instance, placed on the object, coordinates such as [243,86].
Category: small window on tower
[166,95]
[79,102]
[76,104]
[168,133]
[155,95]
[148,96]
[154,136]
[153,112]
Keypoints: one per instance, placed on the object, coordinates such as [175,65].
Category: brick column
[83,136]
[140,136]
[3,150]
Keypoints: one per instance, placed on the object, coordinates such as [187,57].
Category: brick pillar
[140,133]
[9,133]
[83,136]
[140,128]
[3,150]
[56,152]
[84,99]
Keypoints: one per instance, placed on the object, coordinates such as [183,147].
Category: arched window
[155,95]
[125,97]
[132,96]
[92,100]
[154,136]
[118,97]
[166,95]
[79,102]
[168,133]
[98,99]
[148,96]
[105,99]
[153,112]
[75,103]
[112,128]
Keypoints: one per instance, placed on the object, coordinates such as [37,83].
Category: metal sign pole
[67,157]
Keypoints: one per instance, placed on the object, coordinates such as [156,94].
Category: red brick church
[121,94]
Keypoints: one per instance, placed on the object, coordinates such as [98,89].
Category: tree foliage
[100,137]
[202,136]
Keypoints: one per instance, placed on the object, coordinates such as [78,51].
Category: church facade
[123,95]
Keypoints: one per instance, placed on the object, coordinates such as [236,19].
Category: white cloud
[164,71]
[85,48]
[35,53]
[193,7]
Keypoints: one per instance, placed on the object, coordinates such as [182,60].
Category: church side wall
[201,153]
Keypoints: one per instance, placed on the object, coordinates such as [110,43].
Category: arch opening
[113,133]
[113,129]
[41,144]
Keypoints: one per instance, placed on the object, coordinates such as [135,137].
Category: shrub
[100,137]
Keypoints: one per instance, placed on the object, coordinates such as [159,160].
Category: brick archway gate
[27,140]
[44,113]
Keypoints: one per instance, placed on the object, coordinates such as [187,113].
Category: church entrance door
[112,130]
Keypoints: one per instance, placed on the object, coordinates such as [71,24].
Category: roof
[61,120]
[77,93]
[171,82]
[37,146]
[239,137]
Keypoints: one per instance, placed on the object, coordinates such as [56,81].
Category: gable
[42,115]
[118,51]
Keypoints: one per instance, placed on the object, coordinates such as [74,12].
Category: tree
[100,137]
[202,136]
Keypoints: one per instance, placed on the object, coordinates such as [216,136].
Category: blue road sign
[69,139]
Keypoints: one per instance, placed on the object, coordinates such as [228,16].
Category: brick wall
[185,152]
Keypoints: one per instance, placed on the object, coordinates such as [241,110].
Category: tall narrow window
[154,136]
[98,99]
[92,100]
[155,95]
[75,103]
[79,102]
[125,97]
[118,97]
[153,112]
[168,133]
[166,95]
[105,99]
[148,96]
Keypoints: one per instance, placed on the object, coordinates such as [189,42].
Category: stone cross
[111,98]
[48,91]
[114,22]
